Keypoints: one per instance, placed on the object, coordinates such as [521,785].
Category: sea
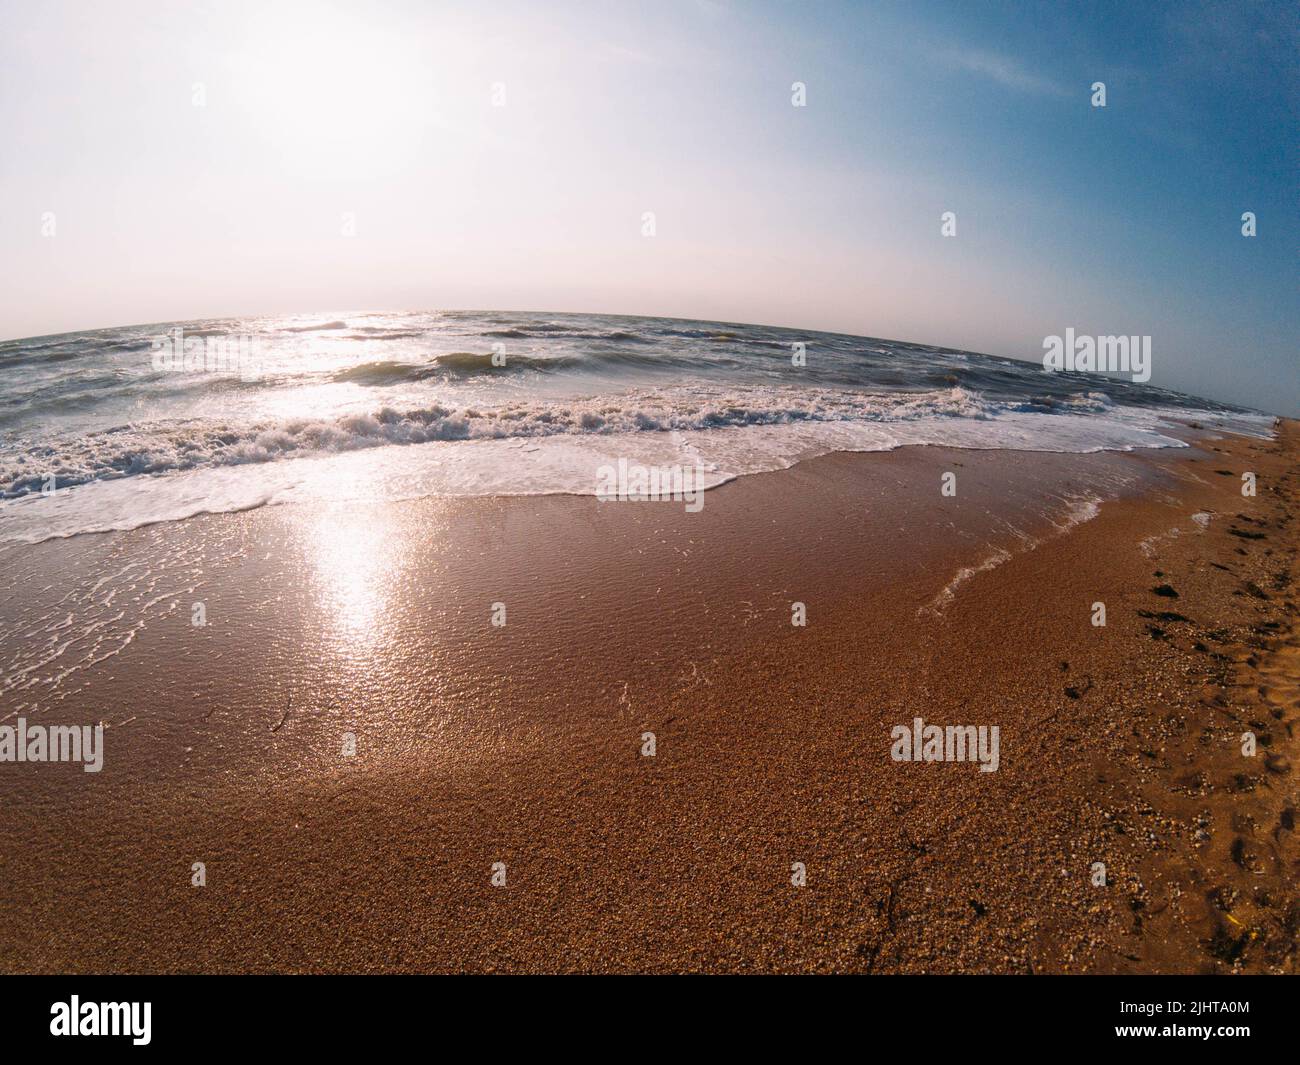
[116,428]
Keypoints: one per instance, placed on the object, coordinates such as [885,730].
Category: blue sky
[1117,220]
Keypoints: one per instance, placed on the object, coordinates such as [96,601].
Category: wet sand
[522,744]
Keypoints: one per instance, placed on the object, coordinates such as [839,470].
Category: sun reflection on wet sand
[357,564]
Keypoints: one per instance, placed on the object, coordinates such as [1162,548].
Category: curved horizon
[920,170]
[1100,376]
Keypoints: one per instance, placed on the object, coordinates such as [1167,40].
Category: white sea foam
[553,462]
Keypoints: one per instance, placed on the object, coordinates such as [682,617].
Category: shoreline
[521,744]
[581,465]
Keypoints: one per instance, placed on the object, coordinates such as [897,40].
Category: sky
[169,161]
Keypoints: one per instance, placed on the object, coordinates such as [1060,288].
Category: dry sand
[521,744]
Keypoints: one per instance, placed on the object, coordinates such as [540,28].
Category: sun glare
[333,82]
[354,569]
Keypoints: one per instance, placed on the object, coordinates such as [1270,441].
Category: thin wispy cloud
[1006,72]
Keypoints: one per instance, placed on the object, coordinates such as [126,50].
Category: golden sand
[516,751]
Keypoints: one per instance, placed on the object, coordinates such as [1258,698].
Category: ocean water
[380,405]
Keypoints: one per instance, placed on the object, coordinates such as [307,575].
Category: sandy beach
[514,752]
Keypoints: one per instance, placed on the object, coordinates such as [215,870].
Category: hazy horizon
[205,162]
[332,313]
